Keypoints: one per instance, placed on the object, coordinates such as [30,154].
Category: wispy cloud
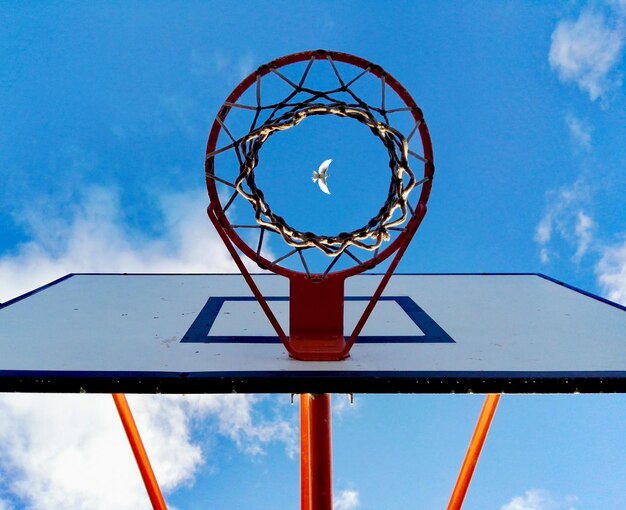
[342,404]
[566,219]
[587,50]
[611,272]
[222,63]
[583,234]
[539,499]
[238,421]
[619,6]
[579,132]
[177,111]
[346,500]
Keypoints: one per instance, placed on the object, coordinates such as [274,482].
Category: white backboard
[186,333]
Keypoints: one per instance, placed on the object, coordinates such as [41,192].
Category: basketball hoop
[386,233]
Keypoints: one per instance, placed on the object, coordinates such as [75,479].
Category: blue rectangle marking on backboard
[199,330]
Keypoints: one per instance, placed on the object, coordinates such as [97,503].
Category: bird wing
[323,186]
[324,166]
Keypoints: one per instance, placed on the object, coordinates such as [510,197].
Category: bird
[321,175]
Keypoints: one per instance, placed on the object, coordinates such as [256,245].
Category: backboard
[200,333]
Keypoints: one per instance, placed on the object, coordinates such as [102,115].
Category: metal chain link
[368,237]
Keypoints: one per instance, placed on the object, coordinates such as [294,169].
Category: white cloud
[237,421]
[580,132]
[69,451]
[566,219]
[94,238]
[346,500]
[611,272]
[543,232]
[586,51]
[583,231]
[539,499]
[341,404]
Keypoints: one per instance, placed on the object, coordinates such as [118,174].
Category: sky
[105,110]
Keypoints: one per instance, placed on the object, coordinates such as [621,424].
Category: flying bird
[321,175]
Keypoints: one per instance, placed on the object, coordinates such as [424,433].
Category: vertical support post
[473,451]
[305,460]
[316,452]
[141,457]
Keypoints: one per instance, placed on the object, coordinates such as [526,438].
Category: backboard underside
[521,333]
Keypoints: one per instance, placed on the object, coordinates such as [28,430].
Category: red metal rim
[420,209]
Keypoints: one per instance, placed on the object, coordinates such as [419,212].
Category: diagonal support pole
[473,451]
[130,427]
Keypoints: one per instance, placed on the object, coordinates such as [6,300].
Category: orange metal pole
[321,453]
[473,451]
[316,452]
[305,462]
[130,427]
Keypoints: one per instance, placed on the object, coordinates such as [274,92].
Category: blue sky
[105,110]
